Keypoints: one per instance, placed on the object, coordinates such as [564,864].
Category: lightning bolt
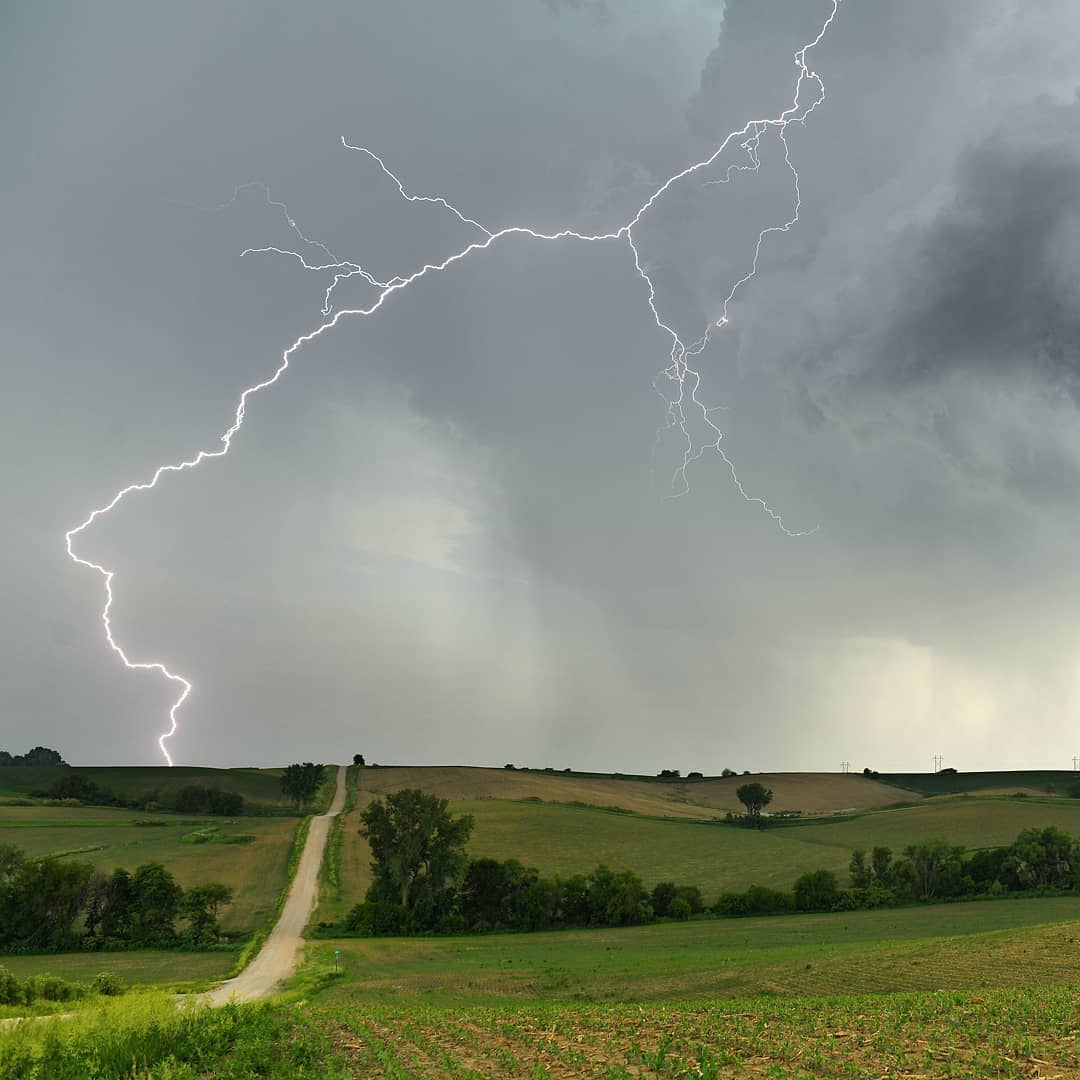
[678,371]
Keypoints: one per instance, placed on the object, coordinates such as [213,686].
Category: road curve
[278,957]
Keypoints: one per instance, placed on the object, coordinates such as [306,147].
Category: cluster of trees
[48,904]
[39,755]
[423,881]
[190,799]
[301,781]
[1038,859]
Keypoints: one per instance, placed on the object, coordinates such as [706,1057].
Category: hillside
[813,793]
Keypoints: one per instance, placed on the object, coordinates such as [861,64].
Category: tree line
[46,905]
[189,799]
[39,755]
[423,881]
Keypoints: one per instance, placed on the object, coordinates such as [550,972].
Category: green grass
[143,967]
[259,786]
[953,945]
[148,1037]
[564,840]
[109,838]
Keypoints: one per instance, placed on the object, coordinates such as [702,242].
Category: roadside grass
[1007,1033]
[147,1036]
[255,871]
[143,967]
[259,786]
[1003,943]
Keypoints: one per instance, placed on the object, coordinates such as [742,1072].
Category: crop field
[953,783]
[809,792]
[997,1034]
[953,946]
[259,786]
[136,967]
[110,837]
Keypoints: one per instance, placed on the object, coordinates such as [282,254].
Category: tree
[418,847]
[662,895]
[155,903]
[728,772]
[300,782]
[358,759]
[755,797]
[817,891]
[938,868]
[861,875]
[200,906]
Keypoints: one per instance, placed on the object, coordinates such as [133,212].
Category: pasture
[109,838]
[136,967]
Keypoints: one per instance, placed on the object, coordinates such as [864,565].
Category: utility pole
[1076,763]
[937,762]
[844,766]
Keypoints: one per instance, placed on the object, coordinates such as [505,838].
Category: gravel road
[278,957]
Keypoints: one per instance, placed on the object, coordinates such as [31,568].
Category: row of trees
[39,755]
[1038,859]
[190,799]
[48,904]
[301,781]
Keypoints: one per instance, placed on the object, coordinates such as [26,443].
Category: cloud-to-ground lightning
[679,370]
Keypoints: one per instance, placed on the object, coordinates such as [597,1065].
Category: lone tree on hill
[358,759]
[300,782]
[418,847]
[755,797]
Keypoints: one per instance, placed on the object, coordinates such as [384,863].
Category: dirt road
[277,958]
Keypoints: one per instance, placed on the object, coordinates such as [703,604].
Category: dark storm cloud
[989,285]
[445,533]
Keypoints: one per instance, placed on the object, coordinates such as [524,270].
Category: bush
[105,982]
[817,891]
[376,918]
[679,909]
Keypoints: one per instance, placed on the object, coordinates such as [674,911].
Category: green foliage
[817,891]
[755,797]
[148,1037]
[417,845]
[373,918]
[200,799]
[200,906]
[301,781]
[39,755]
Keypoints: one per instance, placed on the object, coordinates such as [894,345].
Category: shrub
[376,918]
[105,982]
[679,909]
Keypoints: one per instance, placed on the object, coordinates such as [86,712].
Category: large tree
[418,847]
[300,782]
[755,797]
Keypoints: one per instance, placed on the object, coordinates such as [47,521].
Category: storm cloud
[448,534]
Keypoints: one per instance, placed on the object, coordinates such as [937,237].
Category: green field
[259,786]
[559,839]
[110,837]
[996,943]
[159,967]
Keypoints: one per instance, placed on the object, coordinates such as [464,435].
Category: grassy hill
[1030,780]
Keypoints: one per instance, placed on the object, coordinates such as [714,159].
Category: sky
[455,531]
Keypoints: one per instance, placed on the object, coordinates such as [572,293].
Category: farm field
[160,967]
[109,837]
[809,792]
[1001,1033]
[259,786]
[951,946]
[563,839]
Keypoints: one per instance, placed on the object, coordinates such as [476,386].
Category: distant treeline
[40,755]
[50,905]
[190,799]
